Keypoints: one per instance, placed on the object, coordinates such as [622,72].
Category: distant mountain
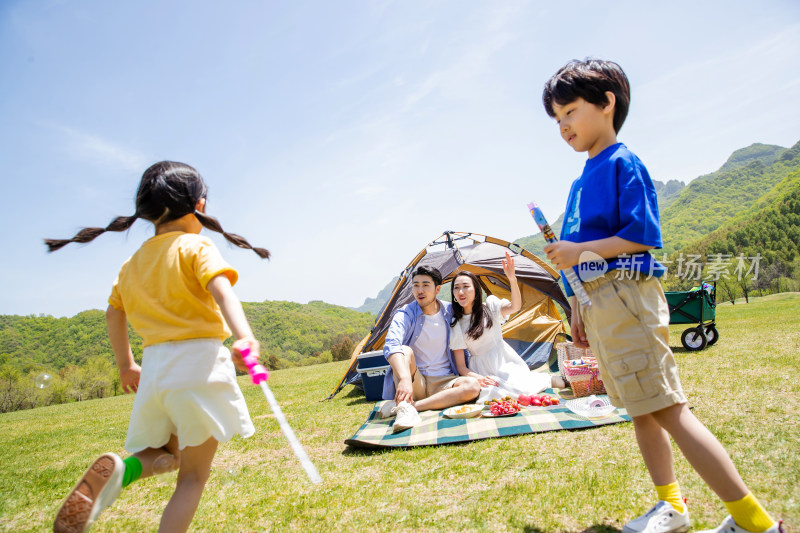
[290,333]
[771,227]
[765,153]
[667,192]
[710,201]
[374,305]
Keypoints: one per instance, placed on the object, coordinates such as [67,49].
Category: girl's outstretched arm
[220,288]
[516,296]
[129,371]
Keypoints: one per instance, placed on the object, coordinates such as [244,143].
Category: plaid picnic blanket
[436,429]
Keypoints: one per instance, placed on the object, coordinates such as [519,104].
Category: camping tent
[531,332]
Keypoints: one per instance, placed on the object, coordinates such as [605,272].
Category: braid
[89,234]
[213,224]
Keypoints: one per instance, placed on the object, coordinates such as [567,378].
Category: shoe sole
[82,505]
[680,529]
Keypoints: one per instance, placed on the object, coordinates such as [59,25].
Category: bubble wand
[259,376]
[574,283]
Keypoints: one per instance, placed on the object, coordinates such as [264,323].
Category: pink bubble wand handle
[258,373]
[259,376]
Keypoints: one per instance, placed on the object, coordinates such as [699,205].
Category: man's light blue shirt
[404,330]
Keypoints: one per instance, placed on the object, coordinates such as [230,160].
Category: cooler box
[372,367]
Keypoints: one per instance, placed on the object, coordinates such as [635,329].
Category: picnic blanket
[437,429]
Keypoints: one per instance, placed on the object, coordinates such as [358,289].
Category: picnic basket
[578,367]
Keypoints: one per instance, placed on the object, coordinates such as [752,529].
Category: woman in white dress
[477,327]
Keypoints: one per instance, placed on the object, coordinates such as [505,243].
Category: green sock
[671,494]
[133,470]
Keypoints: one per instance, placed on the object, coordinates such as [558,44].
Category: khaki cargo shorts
[627,327]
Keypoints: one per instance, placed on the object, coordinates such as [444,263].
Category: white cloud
[100,151]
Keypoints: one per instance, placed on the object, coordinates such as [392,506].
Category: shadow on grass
[601,528]
[597,528]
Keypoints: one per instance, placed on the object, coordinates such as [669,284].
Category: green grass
[745,389]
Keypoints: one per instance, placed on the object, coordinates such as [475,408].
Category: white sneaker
[96,490]
[662,518]
[387,409]
[407,417]
[729,526]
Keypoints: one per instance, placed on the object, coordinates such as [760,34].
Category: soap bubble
[163,464]
[229,477]
[43,380]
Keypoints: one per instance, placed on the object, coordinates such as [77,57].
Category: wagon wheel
[712,335]
[694,339]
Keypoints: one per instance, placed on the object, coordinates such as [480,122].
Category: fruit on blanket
[542,400]
[504,407]
[524,399]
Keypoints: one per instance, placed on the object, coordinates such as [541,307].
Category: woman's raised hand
[508,266]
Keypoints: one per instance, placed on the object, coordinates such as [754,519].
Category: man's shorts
[627,328]
[425,386]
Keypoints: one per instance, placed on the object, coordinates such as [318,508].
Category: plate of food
[501,407]
[489,414]
[463,411]
[591,406]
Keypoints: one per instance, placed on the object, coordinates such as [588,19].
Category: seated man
[423,374]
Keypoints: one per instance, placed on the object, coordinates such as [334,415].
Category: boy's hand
[563,254]
[236,354]
[577,330]
[129,378]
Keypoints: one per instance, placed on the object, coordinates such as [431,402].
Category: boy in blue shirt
[612,213]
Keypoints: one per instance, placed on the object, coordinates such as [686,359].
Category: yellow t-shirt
[163,291]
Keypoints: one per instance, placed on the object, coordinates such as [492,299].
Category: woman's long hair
[481,317]
[167,192]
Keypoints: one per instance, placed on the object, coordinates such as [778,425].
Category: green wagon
[696,306]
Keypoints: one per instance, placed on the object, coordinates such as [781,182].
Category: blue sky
[344,136]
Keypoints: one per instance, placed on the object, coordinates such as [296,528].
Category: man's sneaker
[729,526]
[662,518]
[96,490]
[387,409]
[407,417]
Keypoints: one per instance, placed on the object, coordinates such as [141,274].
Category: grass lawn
[744,388]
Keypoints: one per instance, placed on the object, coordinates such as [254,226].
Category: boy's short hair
[589,79]
[428,271]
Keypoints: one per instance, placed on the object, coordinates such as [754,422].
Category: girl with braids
[176,293]
[476,326]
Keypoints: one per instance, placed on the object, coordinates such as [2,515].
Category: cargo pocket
[625,374]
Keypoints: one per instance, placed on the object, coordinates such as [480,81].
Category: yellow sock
[672,495]
[749,514]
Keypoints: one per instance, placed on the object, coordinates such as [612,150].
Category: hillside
[75,351]
[710,201]
[770,228]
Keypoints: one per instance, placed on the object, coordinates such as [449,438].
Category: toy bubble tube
[574,283]
[259,376]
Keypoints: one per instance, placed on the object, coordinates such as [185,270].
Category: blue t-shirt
[614,197]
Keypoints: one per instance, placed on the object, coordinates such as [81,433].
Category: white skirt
[189,389]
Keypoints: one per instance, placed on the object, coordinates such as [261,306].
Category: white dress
[491,356]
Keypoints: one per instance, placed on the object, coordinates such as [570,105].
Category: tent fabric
[531,332]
